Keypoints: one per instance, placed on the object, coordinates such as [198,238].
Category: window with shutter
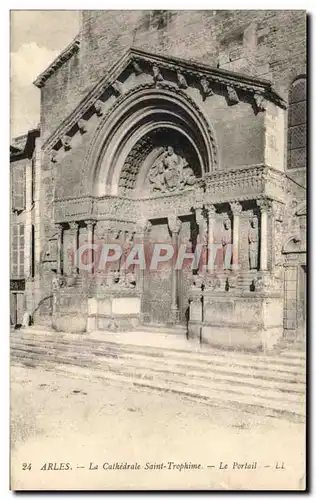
[17,251]
[18,187]
[297,124]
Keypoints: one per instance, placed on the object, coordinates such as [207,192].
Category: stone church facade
[184,126]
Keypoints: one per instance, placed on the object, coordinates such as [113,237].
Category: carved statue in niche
[253,241]
[226,232]
[171,173]
[226,239]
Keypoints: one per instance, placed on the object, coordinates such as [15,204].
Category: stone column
[211,211]
[265,206]
[90,228]
[142,231]
[174,225]
[74,227]
[236,209]
[59,249]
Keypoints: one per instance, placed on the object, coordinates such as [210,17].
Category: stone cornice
[63,57]
[205,76]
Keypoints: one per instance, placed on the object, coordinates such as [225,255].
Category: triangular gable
[137,60]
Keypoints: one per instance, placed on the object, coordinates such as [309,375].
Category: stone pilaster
[236,209]
[174,224]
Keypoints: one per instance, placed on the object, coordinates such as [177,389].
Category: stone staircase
[271,385]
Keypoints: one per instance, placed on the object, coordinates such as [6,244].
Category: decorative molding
[181,80]
[260,101]
[158,78]
[63,57]
[82,125]
[53,156]
[98,106]
[205,88]
[232,95]
[243,184]
[66,142]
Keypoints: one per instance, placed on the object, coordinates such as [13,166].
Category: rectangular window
[18,187]
[17,251]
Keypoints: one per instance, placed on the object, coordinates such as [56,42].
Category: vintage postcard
[158,250]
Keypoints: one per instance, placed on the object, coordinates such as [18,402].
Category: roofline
[63,57]
[246,82]
[18,153]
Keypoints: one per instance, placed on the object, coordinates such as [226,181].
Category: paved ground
[76,422]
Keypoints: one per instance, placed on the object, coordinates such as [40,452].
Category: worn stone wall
[269,44]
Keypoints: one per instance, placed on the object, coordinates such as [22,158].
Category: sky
[37,37]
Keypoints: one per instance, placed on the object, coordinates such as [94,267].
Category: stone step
[160,348]
[250,403]
[218,366]
[144,368]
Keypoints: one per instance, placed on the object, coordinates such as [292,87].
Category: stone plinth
[241,320]
[78,310]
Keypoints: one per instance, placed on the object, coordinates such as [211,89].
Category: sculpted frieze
[244,184]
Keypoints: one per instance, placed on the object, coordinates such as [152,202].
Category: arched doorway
[152,157]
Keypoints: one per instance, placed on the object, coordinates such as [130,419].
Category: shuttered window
[18,187]
[297,124]
[17,251]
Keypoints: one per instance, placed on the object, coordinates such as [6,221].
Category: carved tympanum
[171,173]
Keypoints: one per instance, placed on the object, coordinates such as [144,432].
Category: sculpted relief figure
[171,173]
[226,233]
[253,241]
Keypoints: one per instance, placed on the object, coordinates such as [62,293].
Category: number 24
[26,466]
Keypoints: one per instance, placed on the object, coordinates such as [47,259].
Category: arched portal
[139,116]
[149,155]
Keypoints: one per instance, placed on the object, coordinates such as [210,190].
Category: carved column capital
[59,229]
[174,224]
[211,210]
[265,205]
[143,225]
[74,226]
[90,223]
[236,207]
